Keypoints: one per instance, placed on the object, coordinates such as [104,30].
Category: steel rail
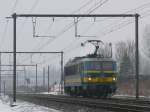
[108,104]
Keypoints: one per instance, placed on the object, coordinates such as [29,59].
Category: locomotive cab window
[92,65]
[107,65]
[72,70]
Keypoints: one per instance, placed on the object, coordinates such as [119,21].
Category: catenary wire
[72,24]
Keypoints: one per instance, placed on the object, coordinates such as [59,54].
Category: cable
[125,23]
[82,7]
[14,7]
[75,12]
[50,26]
[139,8]
[146,5]
[128,22]
[7,21]
[86,4]
[30,11]
[71,25]
[36,2]
[145,14]
[34,5]
[95,8]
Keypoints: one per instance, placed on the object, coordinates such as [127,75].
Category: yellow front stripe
[73,81]
[97,71]
[98,80]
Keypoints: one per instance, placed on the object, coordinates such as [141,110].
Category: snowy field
[22,106]
[123,96]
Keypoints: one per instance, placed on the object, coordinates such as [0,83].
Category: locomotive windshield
[92,65]
[99,68]
[100,65]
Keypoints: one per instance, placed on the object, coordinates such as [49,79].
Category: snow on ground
[52,93]
[130,96]
[4,107]
[29,107]
[22,106]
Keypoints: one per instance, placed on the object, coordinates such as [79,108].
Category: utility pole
[48,79]
[17,81]
[14,60]
[43,77]
[4,87]
[36,79]
[62,74]
[0,74]
[137,54]
[14,56]
[24,76]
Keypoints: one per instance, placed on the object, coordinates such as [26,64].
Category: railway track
[113,104]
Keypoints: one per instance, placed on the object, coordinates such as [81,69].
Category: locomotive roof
[85,58]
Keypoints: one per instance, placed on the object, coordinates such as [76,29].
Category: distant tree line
[125,55]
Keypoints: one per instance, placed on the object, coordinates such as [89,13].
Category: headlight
[89,78]
[114,78]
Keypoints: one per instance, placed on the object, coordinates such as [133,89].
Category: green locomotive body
[90,76]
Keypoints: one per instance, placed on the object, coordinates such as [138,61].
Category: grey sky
[105,29]
[65,41]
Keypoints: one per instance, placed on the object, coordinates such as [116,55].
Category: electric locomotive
[91,75]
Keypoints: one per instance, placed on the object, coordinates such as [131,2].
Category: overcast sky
[63,29]
[108,30]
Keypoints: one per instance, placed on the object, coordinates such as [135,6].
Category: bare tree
[125,56]
[105,50]
[146,41]
[145,52]
[120,51]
